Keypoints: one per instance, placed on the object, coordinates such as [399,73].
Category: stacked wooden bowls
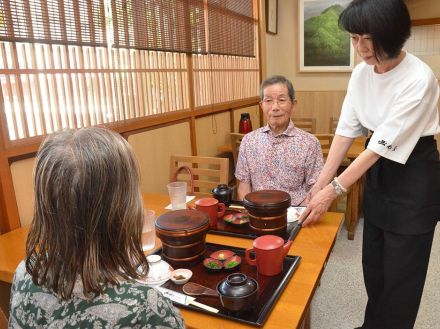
[268,211]
[183,234]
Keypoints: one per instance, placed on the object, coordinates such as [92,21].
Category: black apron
[405,198]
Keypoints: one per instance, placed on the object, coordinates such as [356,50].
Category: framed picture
[272,16]
[323,45]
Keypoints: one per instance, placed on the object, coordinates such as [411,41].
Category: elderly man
[278,156]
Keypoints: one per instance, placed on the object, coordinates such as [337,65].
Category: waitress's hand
[315,189]
[317,206]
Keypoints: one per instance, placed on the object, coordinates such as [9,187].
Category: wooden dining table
[313,244]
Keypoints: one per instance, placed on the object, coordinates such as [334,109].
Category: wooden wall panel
[211,132]
[21,172]
[153,149]
[320,105]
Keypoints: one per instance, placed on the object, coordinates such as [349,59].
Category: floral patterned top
[290,162]
[129,305]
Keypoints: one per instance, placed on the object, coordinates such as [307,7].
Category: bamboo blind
[219,78]
[49,87]
[56,84]
[79,22]
[159,25]
[231,27]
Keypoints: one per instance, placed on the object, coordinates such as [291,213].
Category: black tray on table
[246,231]
[270,287]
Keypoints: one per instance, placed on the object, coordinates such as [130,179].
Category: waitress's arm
[336,154]
[322,199]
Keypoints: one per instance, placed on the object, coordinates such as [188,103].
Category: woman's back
[129,305]
[84,251]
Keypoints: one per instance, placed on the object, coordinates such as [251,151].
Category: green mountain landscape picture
[325,44]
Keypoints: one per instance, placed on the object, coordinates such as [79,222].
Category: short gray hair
[277,79]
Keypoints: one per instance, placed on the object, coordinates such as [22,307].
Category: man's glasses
[267,101]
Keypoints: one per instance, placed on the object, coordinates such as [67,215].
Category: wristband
[339,189]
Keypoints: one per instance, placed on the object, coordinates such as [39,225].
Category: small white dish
[293,213]
[181,275]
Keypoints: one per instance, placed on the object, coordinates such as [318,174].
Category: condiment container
[268,211]
[183,234]
[245,124]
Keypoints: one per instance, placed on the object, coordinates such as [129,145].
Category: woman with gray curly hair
[84,252]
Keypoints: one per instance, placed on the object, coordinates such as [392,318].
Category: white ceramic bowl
[181,272]
[159,272]
[293,213]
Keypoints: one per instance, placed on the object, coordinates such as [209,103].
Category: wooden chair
[333,124]
[326,141]
[307,124]
[208,172]
[235,143]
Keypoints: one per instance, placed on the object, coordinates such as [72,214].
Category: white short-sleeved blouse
[400,106]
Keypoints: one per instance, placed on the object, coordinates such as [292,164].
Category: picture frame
[272,16]
[318,52]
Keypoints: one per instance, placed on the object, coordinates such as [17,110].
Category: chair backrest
[235,143]
[326,141]
[333,124]
[208,172]
[307,124]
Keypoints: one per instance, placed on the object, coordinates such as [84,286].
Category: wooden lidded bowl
[268,211]
[183,234]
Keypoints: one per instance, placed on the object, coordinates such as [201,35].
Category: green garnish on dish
[231,264]
[212,265]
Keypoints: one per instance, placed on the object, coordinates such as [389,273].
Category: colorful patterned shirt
[290,162]
[129,305]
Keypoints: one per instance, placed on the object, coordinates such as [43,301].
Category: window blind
[231,27]
[182,26]
[76,22]
[163,25]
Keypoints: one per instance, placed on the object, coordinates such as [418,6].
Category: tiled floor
[340,299]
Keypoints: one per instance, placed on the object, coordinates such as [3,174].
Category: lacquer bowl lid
[237,285]
[268,242]
[182,220]
[267,199]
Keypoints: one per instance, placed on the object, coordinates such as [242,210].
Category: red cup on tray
[212,207]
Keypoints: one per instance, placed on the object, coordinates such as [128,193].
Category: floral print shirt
[289,162]
[128,305]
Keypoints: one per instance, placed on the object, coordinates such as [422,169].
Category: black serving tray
[270,287]
[246,231]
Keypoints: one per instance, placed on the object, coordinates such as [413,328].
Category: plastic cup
[177,192]
[148,230]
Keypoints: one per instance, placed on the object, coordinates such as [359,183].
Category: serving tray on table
[270,287]
[246,231]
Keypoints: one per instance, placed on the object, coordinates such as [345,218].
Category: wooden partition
[153,147]
[24,188]
[320,105]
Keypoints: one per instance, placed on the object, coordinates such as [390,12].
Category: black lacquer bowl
[237,292]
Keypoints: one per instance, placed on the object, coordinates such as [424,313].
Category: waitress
[393,95]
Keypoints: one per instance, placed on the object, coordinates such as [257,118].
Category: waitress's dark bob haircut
[387,21]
